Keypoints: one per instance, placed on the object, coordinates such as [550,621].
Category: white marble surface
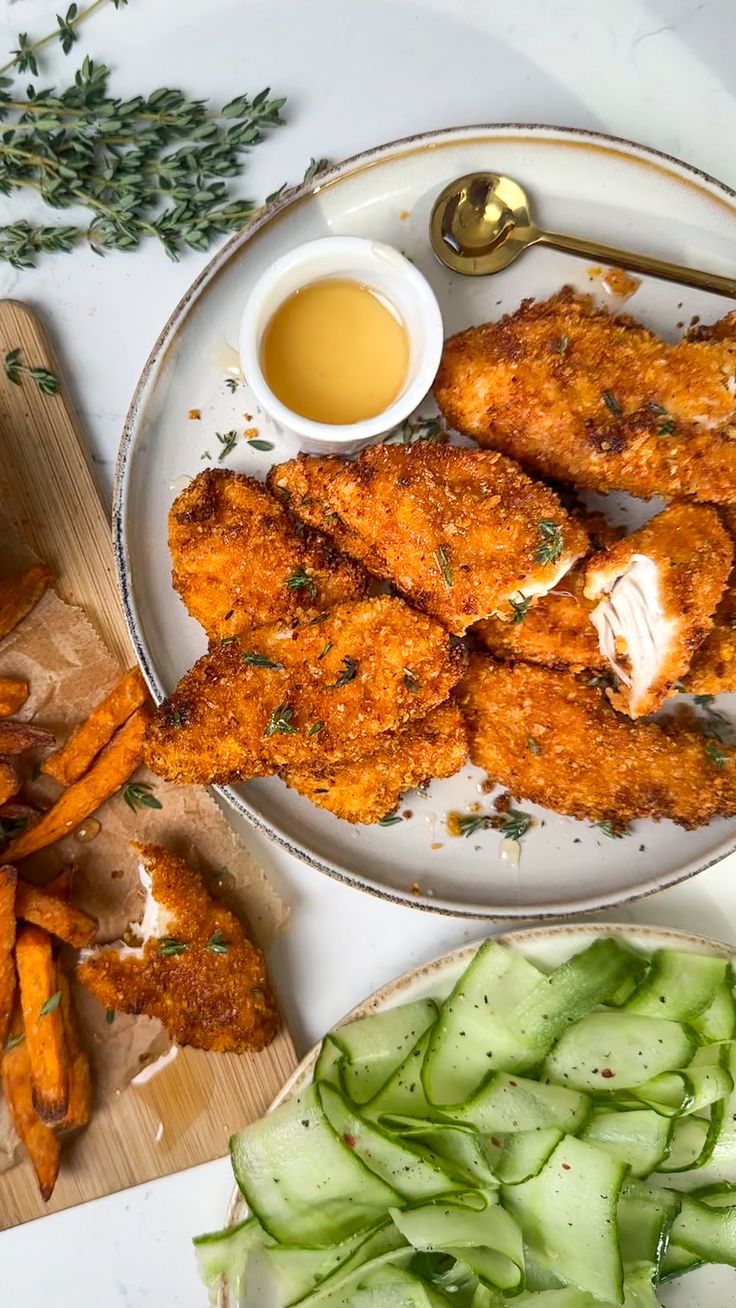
[356,72]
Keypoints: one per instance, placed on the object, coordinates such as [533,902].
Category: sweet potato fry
[8,879]
[9,780]
[108,773]
[20,594]
[40,1141]
[80,1078]
[43,1023]
[68,763]
[13,695]
[60,886]
[34,904]
[15,737]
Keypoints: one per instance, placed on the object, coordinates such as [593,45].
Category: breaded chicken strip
[239,562]
[576,393]
[657,591]
[193,968]
[309,695]
[556,629]
[370,787]
[460,533]
[713,669]
[557,742]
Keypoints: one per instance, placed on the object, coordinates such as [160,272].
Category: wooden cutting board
[49,493]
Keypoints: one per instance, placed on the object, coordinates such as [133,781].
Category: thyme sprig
[151,166]
[16,369]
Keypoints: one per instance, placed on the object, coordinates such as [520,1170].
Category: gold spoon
[481,222]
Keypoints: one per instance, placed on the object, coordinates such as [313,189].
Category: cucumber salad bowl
[549,1118]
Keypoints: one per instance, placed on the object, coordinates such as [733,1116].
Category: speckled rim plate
[571,869]
[548,946]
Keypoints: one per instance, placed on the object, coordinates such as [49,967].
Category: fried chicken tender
[460,533]
[591,762]
[195,970]
[368,788]
[582,395]
[556,629]
[284,696]
[239,561]
[657,591]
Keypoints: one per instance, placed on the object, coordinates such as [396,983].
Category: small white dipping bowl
[391,276]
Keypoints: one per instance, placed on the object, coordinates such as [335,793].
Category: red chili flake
[495,1142]
[606,1071]
[350,1141]
[566,1167]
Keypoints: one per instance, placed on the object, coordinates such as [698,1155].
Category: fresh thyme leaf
[321,617]
[137,794]
[561,345]
[658,408]
[169,946]
[715,755]
[410,680]
[232,383]
[314,168]
[666,428]
[533,746]
[46,382]
[704,701]
[608,829]
[442,555]
[717,725]
[326,650]
[612,404]
[217,944]
[67,35]
[228,640]
[280,721]
[228,440]
[315,728]
[257,444]
[179,718]
[468,823]
[205,454]
[390,820]
[109,1016]
[349,670]
[516,824]
[552,542]
[25,59]
[52,1003]
[301,580]
[520,608]
[260,661]
[418,429]
[13,1041]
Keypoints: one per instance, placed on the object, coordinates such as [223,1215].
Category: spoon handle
[640,263]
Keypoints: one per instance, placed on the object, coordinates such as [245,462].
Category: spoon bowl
[482,222]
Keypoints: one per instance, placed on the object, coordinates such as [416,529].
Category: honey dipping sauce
[335,352]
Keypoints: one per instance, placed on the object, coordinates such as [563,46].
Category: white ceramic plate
[709,1287]
[613,190]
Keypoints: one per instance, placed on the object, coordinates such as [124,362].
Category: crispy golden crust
[692,552]
[556,630]
[370,787]
[234,550]
[713,669]
[205,997]
[593,763]
[576,393]
[369,667]
[456,531]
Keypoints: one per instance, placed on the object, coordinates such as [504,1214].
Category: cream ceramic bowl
[395,280]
